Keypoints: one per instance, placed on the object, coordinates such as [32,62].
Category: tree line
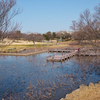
[17,35]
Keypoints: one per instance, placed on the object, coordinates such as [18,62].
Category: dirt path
[91,92]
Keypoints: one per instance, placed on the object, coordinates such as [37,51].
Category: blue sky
[50,15]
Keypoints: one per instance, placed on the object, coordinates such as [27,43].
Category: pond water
[33,78]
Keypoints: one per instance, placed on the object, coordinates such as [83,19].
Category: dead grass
[20,44]
[92,92]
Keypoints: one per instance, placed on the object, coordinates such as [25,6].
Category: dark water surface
[33,78]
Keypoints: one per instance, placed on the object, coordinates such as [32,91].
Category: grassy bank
[19,45]
[13,48]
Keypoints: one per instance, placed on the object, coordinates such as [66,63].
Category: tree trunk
[57,42]
[33,43]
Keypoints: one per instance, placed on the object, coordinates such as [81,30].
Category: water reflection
[33,77]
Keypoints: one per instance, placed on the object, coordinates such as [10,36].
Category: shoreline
[90,92]
[23,54]
[18,53]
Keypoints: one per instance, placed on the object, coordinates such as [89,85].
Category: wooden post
[64,58]
[48,50]
[53,58]
[46,58]
[61,59]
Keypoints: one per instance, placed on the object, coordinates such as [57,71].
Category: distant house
[63,32]
[70,32]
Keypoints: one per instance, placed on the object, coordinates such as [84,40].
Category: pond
[33,78]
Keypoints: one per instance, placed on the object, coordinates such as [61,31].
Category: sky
[50,15]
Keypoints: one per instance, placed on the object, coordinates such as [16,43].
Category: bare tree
[87,27]
[66,35]
[97,12]
[34,37]
[8,11]
[59,34]
[73,26]
[17,35]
